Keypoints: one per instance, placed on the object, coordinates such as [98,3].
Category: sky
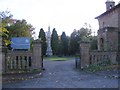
[64,15]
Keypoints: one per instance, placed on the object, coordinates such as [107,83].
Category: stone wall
[22,60]
[18,60]
[88,57]
[100,56]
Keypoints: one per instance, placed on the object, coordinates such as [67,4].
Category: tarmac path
[62,74]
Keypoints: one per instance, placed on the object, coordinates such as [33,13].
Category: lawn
[56,58]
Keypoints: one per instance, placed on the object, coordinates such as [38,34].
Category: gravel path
[62,74]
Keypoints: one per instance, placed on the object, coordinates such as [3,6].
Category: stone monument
[48,37]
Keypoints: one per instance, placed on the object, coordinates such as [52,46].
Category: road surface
[62,74]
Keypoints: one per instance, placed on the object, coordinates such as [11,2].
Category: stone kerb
[84,52]
[37,60]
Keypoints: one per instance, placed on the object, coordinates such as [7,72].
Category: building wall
[110,19]
[101,39]
[119,41]
[108,39]
[119,18]
[112,40]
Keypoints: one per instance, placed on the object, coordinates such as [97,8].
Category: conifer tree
[54,42]
[64,42]
[43,38]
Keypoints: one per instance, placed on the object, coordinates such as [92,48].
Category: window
[102,43]
[111,6]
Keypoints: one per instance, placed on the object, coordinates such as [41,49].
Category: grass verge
[56,58]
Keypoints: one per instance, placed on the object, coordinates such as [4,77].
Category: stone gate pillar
[37,60]
[84,54]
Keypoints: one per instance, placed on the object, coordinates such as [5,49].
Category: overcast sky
[64,15]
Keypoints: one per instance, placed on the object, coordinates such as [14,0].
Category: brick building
[109,28]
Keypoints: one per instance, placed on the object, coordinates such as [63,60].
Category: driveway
[62,74]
